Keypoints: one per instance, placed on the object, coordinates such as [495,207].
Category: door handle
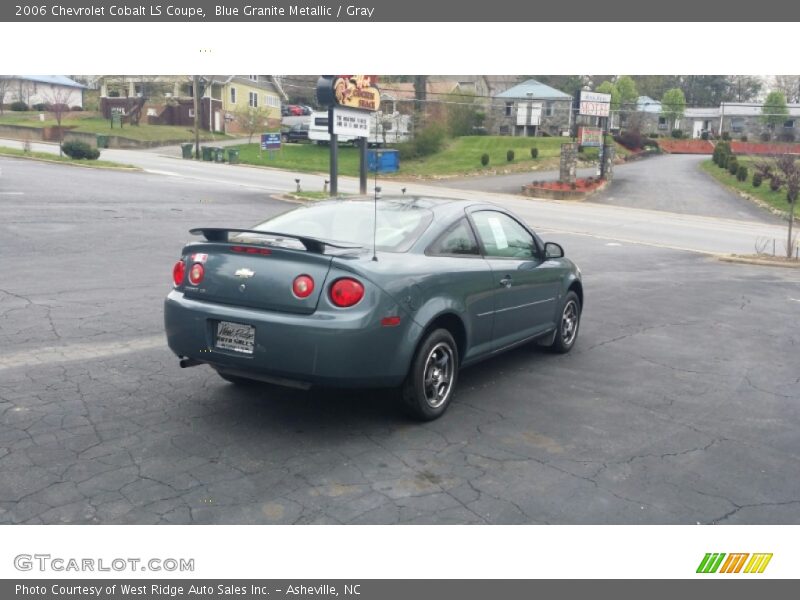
[506,281]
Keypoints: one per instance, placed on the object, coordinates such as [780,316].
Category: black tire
[431,381]
[236,380]
[569,321]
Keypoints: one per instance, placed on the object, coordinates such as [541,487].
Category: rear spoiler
[317,246]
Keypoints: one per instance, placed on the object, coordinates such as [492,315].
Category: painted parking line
[12,193]
[76,352]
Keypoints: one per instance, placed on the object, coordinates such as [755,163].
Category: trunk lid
[258,277]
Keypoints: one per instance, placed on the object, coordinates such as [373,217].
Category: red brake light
[346,292]
[196,273]
[178,272]
[302,286]
[251,250]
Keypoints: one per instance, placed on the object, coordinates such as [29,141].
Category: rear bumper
[346,348]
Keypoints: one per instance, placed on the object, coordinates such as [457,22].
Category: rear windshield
[399,224]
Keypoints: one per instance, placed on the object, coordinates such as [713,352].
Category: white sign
[351,122]
[595,104]
[529,113]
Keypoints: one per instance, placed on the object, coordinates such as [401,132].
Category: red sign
[590,136]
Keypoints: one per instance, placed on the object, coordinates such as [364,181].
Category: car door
[464,275]
[526,289]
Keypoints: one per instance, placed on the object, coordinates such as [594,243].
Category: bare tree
[789,85]
[24,91]
[251,119]
[59,99]
[783,170]
[5,83]
[790,172]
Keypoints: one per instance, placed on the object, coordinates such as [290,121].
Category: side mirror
[553,250]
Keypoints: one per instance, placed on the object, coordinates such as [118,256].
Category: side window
[502,236]
[458,240]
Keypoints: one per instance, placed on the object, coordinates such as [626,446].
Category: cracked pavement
[679,404]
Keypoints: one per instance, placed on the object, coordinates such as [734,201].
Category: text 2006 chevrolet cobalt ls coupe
[400,292]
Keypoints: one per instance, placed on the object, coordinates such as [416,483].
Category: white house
[42,89]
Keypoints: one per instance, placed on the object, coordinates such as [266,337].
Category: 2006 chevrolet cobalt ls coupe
[398,292]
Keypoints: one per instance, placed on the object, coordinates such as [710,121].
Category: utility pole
[196,98]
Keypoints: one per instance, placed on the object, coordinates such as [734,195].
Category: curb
[74,164]
[760,262]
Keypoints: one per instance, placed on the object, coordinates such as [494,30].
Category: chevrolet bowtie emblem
[244,273]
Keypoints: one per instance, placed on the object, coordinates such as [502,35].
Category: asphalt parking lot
[679,403]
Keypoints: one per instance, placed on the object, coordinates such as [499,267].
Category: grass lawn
[316,195]
[94,124]
[46,156]
[762,192]
[461,156]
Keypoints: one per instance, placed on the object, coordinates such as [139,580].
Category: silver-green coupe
[399,292]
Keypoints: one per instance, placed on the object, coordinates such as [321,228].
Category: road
[655,227]
[679,403]
[675,183]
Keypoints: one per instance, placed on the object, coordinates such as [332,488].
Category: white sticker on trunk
[500,240]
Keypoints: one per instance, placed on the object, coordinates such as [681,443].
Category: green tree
[464,114]
[655,85]
[673,105]
[774,111]
[628,94]
[744,88]
[609,88]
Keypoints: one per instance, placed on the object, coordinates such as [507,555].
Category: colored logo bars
[733,563]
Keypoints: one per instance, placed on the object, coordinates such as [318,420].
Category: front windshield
[399,224]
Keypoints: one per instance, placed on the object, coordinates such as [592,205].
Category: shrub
[429,140]
[80,150]
[743,138]
[426,142]
[766,136]
[510,155]
[757,179]
[733,165]
[534,153]
[650,143]
[677,134]
[632,140]
[484,159]
[652,135]
[704,135]
[726,135]
[18,106]
[741,174]
[41,107]
[723,159]
[774,184]
[786,137]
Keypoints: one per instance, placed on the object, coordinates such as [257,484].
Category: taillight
[346,292]
[302,286]
[196,273]
[178,271]
[251,250]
